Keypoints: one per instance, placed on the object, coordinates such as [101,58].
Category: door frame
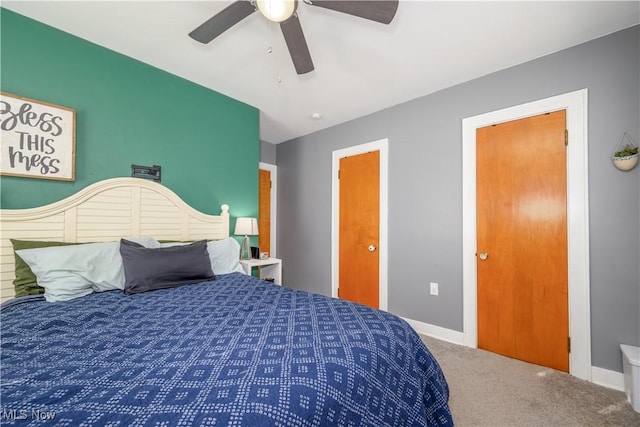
[381,145]
[575,103]
[273,205]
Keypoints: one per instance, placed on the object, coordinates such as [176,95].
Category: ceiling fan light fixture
[277,10]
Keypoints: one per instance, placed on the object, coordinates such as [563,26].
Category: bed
[228,350]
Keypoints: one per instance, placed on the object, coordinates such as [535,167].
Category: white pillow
[171,244]
[224,254]
[67,272]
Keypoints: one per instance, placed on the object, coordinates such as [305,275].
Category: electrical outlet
[433,288]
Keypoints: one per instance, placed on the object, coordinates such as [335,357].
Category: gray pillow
[147,269]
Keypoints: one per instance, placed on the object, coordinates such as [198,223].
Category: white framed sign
[37,139]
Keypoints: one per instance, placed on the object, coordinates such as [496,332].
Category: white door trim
[273,205]
[577,219]
[381,145]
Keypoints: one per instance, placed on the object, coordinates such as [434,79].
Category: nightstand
[270,267]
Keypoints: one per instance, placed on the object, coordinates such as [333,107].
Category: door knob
[372,248]
[484,256]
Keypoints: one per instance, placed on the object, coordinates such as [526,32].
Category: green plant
[628,150]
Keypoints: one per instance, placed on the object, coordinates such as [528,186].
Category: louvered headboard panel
[104,211]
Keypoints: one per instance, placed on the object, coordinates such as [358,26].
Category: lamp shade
[247,226]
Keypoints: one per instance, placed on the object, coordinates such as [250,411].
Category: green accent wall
[128,112]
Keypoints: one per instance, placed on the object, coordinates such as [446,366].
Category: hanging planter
[625,157]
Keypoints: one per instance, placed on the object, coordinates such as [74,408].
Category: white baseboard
[437,332]
[600,376]
[607,378]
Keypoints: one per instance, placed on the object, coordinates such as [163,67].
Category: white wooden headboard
[106,211]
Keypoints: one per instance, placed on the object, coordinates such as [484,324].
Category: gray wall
[425,188]
[268,153]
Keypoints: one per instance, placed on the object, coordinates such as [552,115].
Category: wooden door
[359,228]
[522,273]
[264,211]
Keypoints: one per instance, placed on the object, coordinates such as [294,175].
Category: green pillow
[25,282]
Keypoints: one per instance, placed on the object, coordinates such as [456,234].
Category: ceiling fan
[284,12]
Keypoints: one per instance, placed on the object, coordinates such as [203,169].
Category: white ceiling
[360,66]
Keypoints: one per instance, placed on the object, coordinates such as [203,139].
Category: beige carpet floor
[487,389]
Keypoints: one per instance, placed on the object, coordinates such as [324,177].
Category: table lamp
[248,227]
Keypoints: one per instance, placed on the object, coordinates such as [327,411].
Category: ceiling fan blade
[381,11]
[297,44]
[222,21]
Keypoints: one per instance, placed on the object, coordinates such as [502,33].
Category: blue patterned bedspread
[236,351]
